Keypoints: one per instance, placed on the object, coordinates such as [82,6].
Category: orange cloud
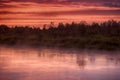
[36,11]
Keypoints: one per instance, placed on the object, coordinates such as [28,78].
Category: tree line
[104,35]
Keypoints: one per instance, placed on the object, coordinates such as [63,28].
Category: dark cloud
[108,3]
[33,19]
[72,12]
[117,5]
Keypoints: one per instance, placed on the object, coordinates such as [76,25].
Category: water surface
[58,64]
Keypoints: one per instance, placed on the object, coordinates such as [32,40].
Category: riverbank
[105,35]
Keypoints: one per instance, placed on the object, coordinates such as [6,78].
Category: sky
[40,12]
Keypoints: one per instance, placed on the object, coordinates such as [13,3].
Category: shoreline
[104,36]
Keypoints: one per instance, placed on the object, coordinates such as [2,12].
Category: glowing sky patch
[57,10]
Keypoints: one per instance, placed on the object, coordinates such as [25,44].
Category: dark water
[58,64]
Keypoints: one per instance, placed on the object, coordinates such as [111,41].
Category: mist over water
[58,64]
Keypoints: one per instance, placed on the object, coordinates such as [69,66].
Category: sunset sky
[39,12]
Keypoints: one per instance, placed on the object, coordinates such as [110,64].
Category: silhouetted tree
[83,35]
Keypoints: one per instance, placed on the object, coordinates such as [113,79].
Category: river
[58,64]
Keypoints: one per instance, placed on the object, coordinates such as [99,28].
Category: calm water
[58,64]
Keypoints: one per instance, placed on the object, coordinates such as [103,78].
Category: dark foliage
[105,35]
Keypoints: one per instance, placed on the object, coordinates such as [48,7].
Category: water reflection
[58,64]
[81,60]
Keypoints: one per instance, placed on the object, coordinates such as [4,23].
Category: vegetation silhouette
[104,35]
